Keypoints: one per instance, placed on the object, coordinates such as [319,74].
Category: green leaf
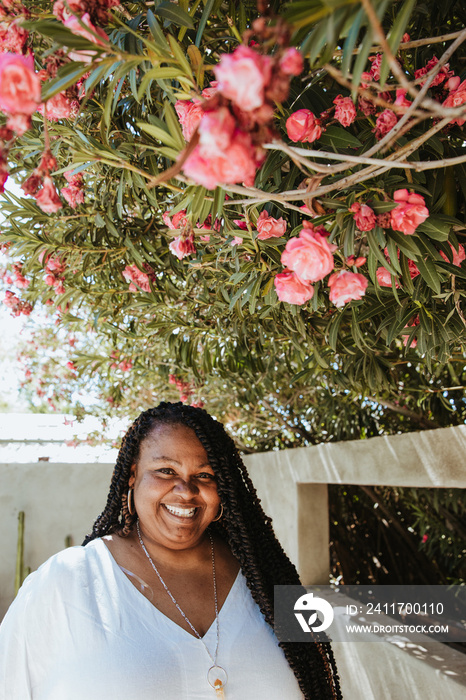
[339,138]
[406,244]
[394,37]
[202,24]
[156,31]
[429,274]
[174,13]
[67,75]
[436,227]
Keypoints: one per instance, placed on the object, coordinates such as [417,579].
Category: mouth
[185,513]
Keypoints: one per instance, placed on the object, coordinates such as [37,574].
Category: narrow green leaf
[156,31]
[339,138]
[395,35]
[436,227]
[429,274]
[175,14]
[202,24]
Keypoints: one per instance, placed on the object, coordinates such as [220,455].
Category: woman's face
[175,493]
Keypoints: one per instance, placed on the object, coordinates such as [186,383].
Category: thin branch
[412,415]
[392,62]
[409,44]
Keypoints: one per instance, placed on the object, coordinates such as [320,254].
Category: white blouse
[80,630]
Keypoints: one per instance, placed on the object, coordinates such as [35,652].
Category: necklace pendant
[217,678]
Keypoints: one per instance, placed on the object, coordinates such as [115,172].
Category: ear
[132,477]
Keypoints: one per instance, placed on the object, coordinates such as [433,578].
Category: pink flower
[19,123]
[237,164]
[456,98]
[458,255]
[236,241]
[410,212]
[133,274]
[346,286]
[303,126]
[443,74]
[216,130]
[375,68]
[60,107]
[47,198]
[177,221]
[309,255]
[268,227]
[190,115]
[366,106]
[12,37]
[125,365]
[425,538]
[74,26]
[73,194]
[181,247]
[384,123]
[357,262]
[401,100]
[242,77]
[345,111]
[292,63]
[384,278]
[20,88]
[291,289]
[364,216]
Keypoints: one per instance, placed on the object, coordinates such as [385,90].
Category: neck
[179,559]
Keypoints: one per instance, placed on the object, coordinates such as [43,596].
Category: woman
[172,595]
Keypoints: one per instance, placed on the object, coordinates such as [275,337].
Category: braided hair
[244,525]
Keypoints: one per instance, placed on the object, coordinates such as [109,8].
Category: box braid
[244,525]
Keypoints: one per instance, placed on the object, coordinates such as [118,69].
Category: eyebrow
[174,461]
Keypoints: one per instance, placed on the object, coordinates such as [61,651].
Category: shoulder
[63,572]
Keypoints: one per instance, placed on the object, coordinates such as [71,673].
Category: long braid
[244,525]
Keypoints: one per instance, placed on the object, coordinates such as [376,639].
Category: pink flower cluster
[17,306]
[20,90]
[183,245]
[235,117]
[13,37]
[364,216]
[309,258]
[443,74]
[47,198]
[139,281]
[74,193]
[410,212]
[185,388]
[20,281]
[96,9]
[457,97]
[55,268]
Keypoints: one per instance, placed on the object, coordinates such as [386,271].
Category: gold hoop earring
[130,509]
[219,516]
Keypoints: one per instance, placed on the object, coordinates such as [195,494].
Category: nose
[185,488]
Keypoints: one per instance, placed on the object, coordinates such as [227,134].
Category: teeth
[181,512]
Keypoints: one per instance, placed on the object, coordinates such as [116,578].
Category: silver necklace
[216,675]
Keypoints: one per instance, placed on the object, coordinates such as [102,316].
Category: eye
[206,476]
[165,471]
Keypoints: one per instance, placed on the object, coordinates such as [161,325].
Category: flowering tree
[259,203]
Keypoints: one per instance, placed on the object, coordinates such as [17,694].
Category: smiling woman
[172,595]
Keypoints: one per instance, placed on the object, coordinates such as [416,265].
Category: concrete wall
[64,499]
[58,500]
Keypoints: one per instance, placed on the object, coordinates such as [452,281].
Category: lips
[180,512]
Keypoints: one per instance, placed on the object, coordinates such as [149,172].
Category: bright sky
[27,437]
